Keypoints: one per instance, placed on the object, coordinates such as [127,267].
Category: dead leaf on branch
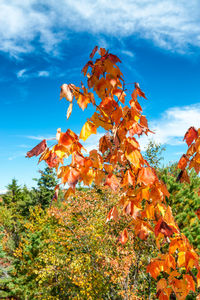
[37,149]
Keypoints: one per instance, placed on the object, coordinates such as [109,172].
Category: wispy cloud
[39,137]
[43,74]
[21,73]
[128,53]
[26,74]
[16,155]
[170,24]
[172,125]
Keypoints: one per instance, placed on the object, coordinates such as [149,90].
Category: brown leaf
[85,68]
[93,52]
[114,58]
[183,177]
[164,228]
[37,149]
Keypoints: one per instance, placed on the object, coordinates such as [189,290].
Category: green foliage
[67,251]
[46,184]
[184,198]
[185,201]
[153,154]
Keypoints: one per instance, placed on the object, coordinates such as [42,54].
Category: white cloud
[92,142]
[39,138]
[21,73]
[128,53]
[171,127]
[26,74]
[43,74]
[170,24]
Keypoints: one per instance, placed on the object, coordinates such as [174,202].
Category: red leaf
[93,52]
[114,58]
[65,139]
[37,149]
[52,160]
[198,213]
[191,135]
[85,68]
[164,228]
[182,164]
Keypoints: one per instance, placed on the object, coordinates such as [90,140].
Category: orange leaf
[162,284]
[65,139]
[191,135]
[52,160]
[198,279]
[123,237]
[83,101]
[183,177]
[164,228]
[112,215]
[154,268]
[138,92]
[68,193]
[182,164]
[104,144]
[190,282]
[146,176]
[71,177]
[132,209]
[112,182]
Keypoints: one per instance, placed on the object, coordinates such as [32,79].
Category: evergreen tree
[46,184]
[13,193]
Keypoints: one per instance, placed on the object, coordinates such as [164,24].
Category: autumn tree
[120,165]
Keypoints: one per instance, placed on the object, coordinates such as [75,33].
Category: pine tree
[45,189]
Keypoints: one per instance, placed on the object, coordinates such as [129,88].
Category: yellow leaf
[88,129]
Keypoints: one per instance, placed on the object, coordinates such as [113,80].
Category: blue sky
[46,43]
